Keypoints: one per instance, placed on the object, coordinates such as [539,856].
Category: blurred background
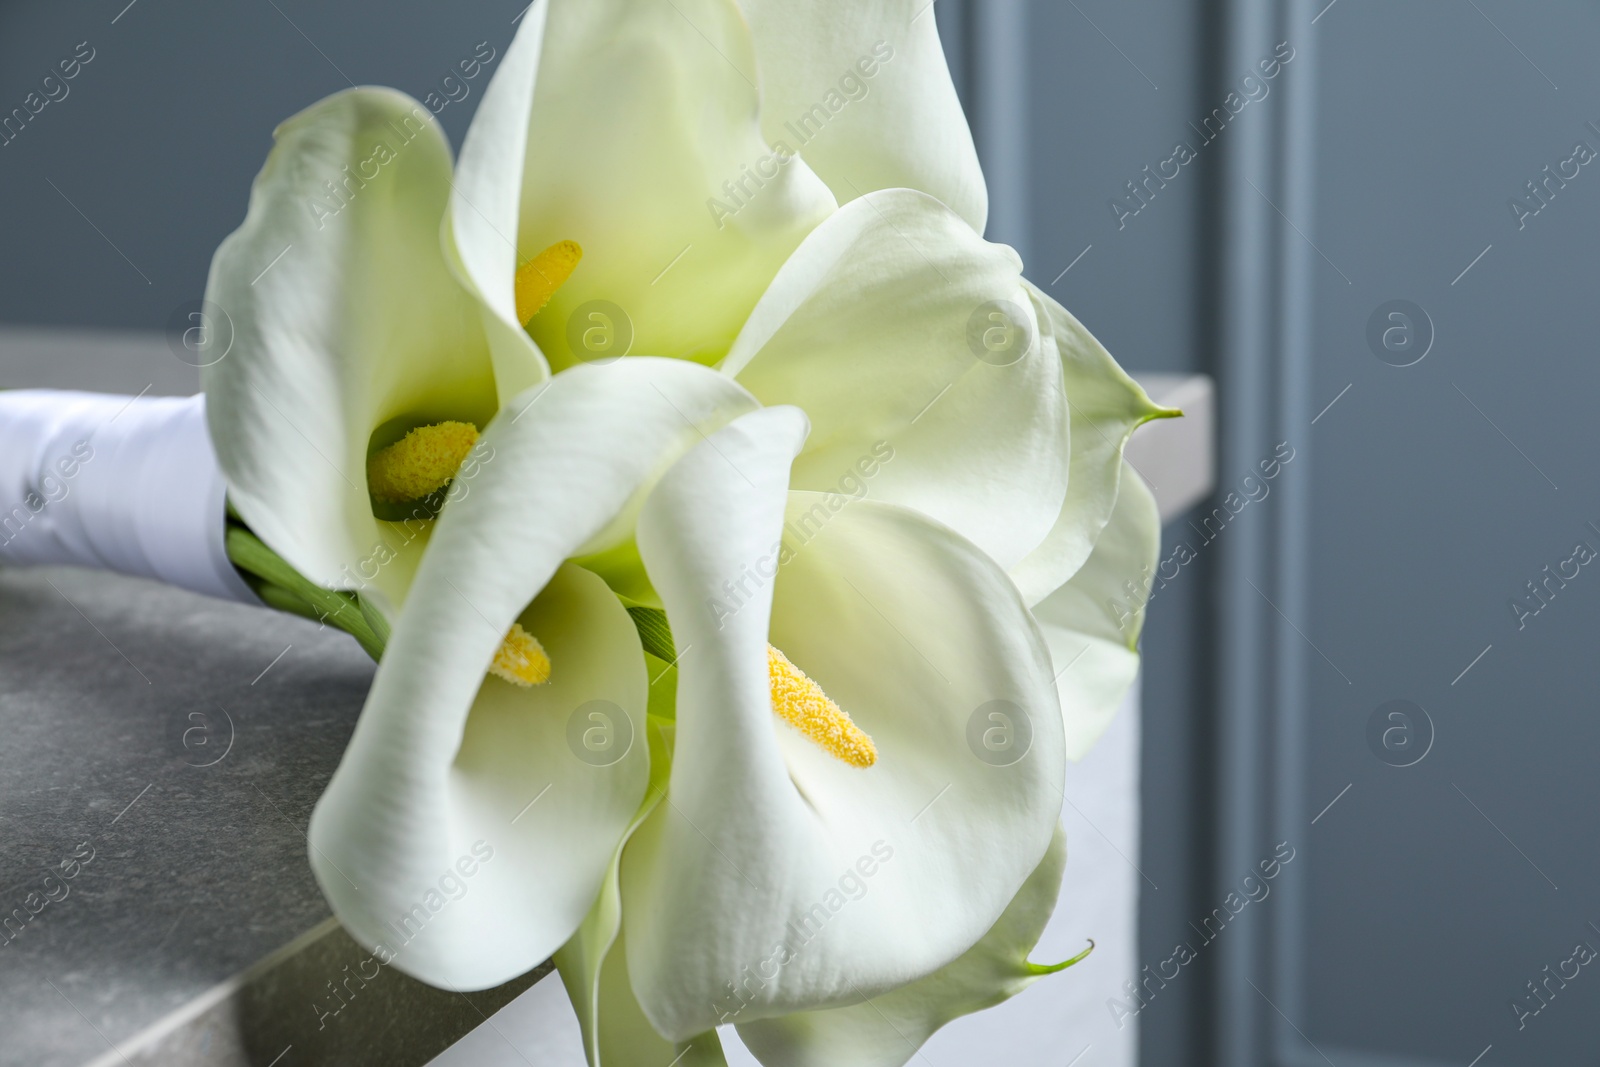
[1373,224]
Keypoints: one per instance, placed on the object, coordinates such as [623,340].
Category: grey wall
[115,196]
[1438,491]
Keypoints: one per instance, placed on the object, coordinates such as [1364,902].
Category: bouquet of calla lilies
[741,538]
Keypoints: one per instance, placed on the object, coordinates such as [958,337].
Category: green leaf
[654,632]
[663,689]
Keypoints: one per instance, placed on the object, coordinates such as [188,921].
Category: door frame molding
[1264,347]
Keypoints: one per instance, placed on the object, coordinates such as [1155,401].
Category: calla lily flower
[338,327]
[776,876]
[1082,580]
[889,1029]
[449,760]
[876,322]
[913,630]
[888,318]
[821,814]
[878,70]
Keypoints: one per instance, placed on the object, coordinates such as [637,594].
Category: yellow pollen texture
[421,462]
[521,659]
[540,277]
[801,703]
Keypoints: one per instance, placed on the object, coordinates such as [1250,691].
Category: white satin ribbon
[122,484]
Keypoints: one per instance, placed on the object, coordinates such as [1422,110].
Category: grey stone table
[161,755]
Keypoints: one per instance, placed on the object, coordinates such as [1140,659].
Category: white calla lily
[448,763]
[888,1030]
[345,321]
[616,123]
[750,863]
[593,964]
[877,319]
[1106,407]
[915,630]
[860,89]
[885,1031]
[1092,622]
[875,328]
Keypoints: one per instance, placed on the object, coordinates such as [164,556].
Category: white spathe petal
[625,1037]
[633,114]
[593,963]
[773,865]
[487,201]
[549,777]
[502,777]
[889,1031]
[1093,621]
[585,960]
[861,90]
[877,328]
[342,316]
[1106,407]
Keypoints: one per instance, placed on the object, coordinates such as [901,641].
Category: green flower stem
[282,587]
[285,589]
